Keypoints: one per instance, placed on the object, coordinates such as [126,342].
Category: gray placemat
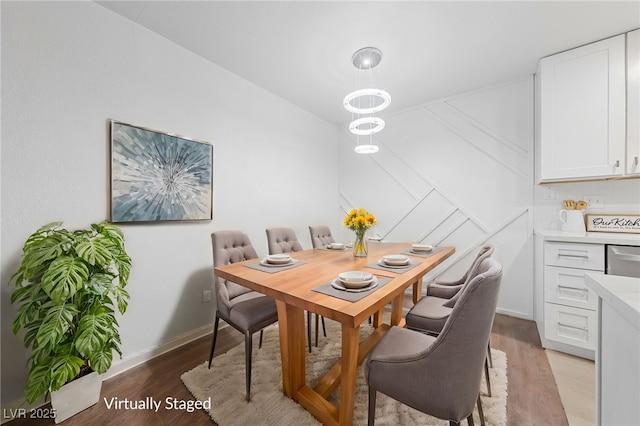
[428,254]
[395,270]
[336,250]
[346,295]
[274,269]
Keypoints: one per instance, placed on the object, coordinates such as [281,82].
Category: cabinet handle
[635,161]
[561,324]
[574,255]
[616,164]
[568,287]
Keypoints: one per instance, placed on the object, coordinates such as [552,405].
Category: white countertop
[590,237]
[621,293]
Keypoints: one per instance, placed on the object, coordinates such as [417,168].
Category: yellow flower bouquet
[359,220]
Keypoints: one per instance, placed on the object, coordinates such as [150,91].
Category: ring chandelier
[363,103]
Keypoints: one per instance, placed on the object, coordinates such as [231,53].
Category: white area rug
[224,383]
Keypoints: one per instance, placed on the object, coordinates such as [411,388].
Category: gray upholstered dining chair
[282,240]
[448,289]
[320,236]
[245,310]
[440,375]
[285,240]
[431,312]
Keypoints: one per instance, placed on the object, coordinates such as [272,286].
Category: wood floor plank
[533,397]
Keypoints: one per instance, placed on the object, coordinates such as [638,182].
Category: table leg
[417,290]
[292,351]
[350,343]
[396,309]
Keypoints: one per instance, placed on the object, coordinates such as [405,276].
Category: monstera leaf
[65,276]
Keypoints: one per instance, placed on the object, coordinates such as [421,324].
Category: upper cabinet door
[633,103]
[582,112]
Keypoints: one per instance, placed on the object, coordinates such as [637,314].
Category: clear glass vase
[360,248]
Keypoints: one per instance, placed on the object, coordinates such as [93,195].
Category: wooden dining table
[295,290]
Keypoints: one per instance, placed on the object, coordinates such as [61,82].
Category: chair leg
[309,329]
[486,375]
[317,334]
[480,411]
[248,348]
[470,420]
[372,406]
[260,342]
[215,336]
[324,328]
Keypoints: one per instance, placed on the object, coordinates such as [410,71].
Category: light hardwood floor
[533,396]
[575,378]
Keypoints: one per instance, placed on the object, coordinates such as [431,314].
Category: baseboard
[568,349]
[119,366]
[514,314]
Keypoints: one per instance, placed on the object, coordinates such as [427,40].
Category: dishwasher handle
[623,260]
[630,257]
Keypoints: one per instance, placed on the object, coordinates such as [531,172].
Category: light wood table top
[293,291]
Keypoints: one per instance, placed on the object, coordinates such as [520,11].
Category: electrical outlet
[206,295]
[594,201]
[549,193]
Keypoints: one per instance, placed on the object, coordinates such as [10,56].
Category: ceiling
[301,50]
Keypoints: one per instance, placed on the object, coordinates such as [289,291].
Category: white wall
[459,172]
[619,196]
[69,67]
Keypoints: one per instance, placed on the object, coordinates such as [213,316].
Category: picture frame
[158,176]
[624,223]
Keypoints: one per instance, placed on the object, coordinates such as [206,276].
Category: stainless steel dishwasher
[623,260]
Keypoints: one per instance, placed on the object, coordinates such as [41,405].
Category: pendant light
[366,100]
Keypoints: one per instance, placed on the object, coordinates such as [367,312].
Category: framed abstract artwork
[157,176]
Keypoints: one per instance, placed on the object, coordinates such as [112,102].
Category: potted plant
[67,288]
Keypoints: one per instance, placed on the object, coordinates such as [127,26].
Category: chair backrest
[282,240]
[320,236]
[469,327]
[485,252]
[456,358]
[230,247]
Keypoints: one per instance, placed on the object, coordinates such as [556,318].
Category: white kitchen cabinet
[570,307]
[633,103]
[582,112]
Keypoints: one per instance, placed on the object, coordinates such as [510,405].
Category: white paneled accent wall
[458,172]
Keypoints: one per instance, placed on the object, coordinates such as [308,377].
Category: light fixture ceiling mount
[366,58]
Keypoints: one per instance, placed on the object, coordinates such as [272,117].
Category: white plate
[265,262]
[335,246]
[355,278]
[338,285]
[279,259]
[395,260]
[386,265]
[421,248]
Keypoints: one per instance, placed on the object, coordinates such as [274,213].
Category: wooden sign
[627,223]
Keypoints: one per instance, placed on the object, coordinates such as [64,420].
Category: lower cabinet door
[573,326]
[566,286]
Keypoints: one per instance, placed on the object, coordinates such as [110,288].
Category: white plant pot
[76,396]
